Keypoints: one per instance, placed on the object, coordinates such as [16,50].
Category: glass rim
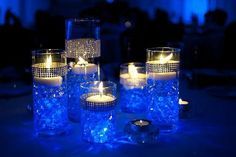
[166,49]
[91,84]
[88,19]
[136,64]
[48,51]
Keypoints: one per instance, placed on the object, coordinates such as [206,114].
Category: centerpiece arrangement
[67,87]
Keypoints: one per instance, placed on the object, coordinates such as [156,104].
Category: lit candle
[142,131]
[184,105]
[141,123]
[183,102]
[132,78]
[83,67]
[161,65]
[54,81]
[100,98]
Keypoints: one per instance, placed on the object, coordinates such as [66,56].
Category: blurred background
[205,31]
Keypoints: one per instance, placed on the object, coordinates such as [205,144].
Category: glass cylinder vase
[82,38]
[98,103]
[82,46]
[162,69]
[133,88]
[49,71]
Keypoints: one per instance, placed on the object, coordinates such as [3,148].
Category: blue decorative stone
[98,127]
[98,121]
[50,109]
[163,108]
[133,100]
[74,92]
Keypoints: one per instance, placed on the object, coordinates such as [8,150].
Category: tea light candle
[142,131]
[141,123]
[83,67]
[133,78]
[184,105]
[100,98]
[54,81]
[183,102]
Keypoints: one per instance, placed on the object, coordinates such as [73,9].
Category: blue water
[133,100]
[163,102]
[98,127]
[74,92]
[50,109]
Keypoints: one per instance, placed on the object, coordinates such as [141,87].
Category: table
[210,131]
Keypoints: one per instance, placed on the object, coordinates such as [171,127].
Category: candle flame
[48,61]
[100,88]
[82,61]
[183,102]
[164,60]
[132,70]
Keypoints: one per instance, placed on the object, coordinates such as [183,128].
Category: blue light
[13,5]
[163,103]
[98,126]
[133,100]
[23,9]
[50,109]
[195,7]
[110,1]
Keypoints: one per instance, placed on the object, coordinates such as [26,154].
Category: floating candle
[100,98]
[48,77]
[133,78]
[163,65]
[162,76]
[83,67]
[50,81]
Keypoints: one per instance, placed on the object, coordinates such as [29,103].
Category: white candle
[164,75]
[83,67]
[183,102]
[132,78]
[100,98]
[126,80]
[48,79]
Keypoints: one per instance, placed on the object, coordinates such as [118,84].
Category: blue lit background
[25,9]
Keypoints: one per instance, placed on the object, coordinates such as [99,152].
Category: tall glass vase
[49,71]
[82,46]
[162,69]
